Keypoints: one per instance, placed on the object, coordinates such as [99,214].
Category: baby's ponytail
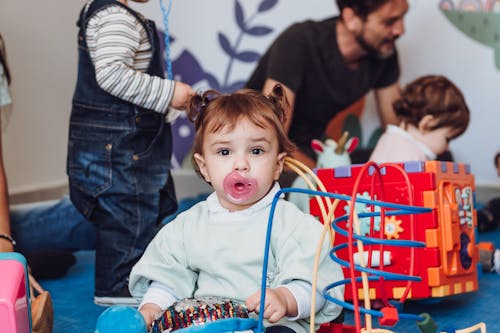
[198,104]
[277,97]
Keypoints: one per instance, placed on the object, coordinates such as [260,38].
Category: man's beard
[373,51]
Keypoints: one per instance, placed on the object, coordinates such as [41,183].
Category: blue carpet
[75,311]
[72,296]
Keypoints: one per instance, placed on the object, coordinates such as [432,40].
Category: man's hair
[497,159]
[213,112]
[437,96]
[361,8]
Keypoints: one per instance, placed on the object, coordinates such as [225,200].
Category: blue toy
[121,319]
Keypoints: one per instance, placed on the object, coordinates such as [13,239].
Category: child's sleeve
[159,294]
[165,262]
[115,54]
[299,236]
[301,291]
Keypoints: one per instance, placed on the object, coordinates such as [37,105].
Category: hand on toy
[149,311]
[279,303]
[182,93]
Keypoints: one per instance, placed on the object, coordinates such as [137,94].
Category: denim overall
[118,165]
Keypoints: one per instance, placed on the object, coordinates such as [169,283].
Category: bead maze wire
[327,203]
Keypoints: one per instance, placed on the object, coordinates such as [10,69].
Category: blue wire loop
[398,209]
[168,60]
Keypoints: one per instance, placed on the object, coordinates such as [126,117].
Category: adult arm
[5,244]
[384,98]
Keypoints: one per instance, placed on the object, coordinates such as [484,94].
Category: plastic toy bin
[14,303]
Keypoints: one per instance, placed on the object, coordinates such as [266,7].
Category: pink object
[239,188]
[14,312]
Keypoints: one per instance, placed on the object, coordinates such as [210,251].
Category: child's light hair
[437,96]
[212,112]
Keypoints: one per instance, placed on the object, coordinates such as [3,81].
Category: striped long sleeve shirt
[121,52]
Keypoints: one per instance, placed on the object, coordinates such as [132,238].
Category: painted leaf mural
[479,20]
[188,68]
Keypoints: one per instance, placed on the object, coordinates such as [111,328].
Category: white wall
[41,46]
[41,41]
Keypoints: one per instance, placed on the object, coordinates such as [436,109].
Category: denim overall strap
[118,165]
[87,89]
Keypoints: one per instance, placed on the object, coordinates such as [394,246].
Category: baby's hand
[182,93]
[276,306]
[149,311]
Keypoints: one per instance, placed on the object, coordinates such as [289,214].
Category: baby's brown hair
[437,96]
[213,111]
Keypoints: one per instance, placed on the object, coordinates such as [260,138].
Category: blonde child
[216,247]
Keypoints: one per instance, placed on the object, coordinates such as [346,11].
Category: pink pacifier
[239,188]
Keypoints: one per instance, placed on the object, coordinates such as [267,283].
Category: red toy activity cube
[447,264]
